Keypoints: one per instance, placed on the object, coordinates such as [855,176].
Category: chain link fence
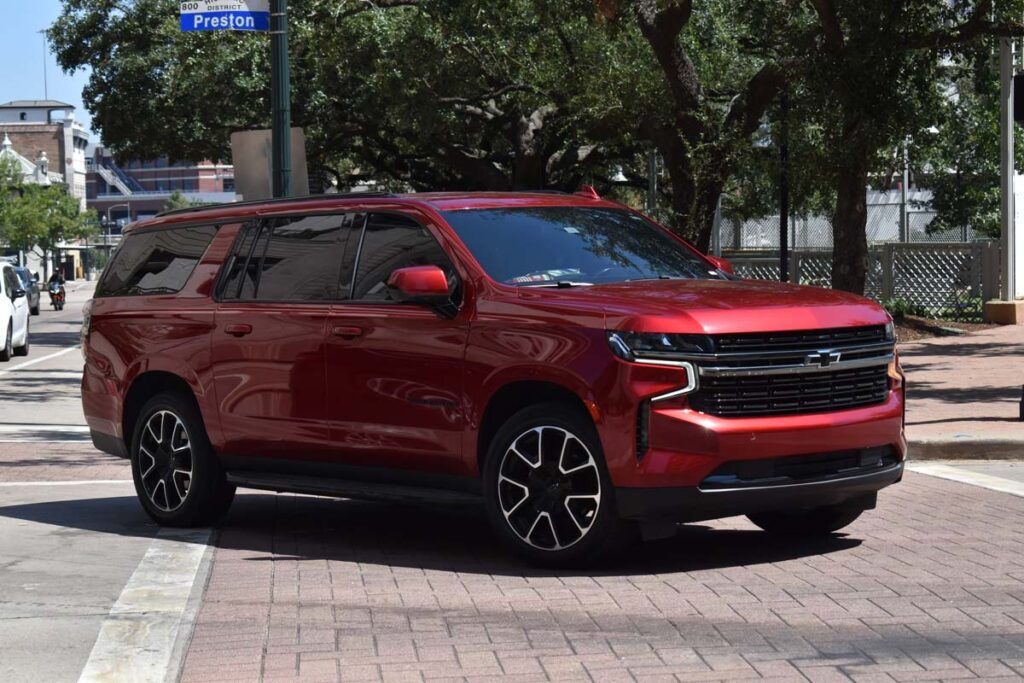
[815,232]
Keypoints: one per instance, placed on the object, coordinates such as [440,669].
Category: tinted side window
[293,259]
[156,261]
[10,282]
[391,242]
[240,281]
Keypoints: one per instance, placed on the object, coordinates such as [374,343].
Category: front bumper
[694,503]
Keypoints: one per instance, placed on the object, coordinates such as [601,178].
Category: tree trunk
[702,215]
[849,227]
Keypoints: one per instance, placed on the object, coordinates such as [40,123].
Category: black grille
[791,394]
[837,338]
[800,468]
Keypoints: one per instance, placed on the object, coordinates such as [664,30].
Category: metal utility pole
[904,192]
[784,191]
[1008,289]
[652,183]
[280,84]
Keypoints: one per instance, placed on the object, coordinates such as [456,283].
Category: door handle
[347,332]
[238,329]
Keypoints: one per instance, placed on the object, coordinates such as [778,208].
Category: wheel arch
[144,387]
[512,397]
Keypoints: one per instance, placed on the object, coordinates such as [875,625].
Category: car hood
[722,306]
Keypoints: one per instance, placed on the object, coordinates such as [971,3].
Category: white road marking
[41,359]
[985,481]
[137,639]
[80,482]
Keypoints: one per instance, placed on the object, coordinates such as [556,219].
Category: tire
[817,522]
[34,310]
[527,492]
[24,348]
[8,348]
[206,492]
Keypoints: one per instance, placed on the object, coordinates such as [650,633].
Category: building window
[23,116]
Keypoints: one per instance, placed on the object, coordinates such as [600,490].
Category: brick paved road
[927,587]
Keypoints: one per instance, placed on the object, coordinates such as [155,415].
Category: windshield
[567,245]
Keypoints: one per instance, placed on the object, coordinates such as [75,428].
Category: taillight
[86,324]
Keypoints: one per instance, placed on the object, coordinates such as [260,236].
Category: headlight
[890,331]
[629,345]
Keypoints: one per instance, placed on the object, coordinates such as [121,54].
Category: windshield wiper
[561,284]
[659,277]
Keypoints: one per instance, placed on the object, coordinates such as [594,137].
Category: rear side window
[10,282]
[293,259]
[155,261]
[391,242]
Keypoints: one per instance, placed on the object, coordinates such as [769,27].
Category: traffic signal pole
[280,85]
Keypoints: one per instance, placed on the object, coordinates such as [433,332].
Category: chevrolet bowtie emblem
[822,359]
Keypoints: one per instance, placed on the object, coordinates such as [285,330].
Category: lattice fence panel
[758,269]
[939,280]
[942,281]
[816,269]
[874,285]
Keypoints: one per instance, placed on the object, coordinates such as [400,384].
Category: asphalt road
[39,394]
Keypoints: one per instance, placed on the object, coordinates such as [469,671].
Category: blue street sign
[225,15]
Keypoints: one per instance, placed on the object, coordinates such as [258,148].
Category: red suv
[560,358]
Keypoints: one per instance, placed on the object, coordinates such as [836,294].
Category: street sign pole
[1007,164]
[280,84]
[784,190]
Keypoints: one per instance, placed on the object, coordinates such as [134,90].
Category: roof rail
[279,200]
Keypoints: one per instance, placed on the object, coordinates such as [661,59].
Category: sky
[22,57]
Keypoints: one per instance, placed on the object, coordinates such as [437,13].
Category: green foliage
[900,308]
[42,218]
[177,200]
[959,159]
[470,94]
[518,94]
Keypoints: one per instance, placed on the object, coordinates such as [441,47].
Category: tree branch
[830,26]
[976,26]
[662,28]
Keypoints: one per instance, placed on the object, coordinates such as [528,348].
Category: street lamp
[110,208]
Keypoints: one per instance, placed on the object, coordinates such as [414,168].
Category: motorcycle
[57,296]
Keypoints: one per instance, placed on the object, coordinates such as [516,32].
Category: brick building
[47,129]
[139,189]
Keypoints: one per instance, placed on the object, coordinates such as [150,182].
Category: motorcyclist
[56,279]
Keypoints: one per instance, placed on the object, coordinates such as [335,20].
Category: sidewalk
[963,395]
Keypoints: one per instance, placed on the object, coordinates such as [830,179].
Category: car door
[6,306]
[19,306]
[269,353]
[395,370]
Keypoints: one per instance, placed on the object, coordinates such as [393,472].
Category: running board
[339,488]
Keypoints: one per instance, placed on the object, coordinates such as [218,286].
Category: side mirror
[419,284]
[17,294]
[722,264]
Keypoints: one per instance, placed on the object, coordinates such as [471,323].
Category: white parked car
[13,315]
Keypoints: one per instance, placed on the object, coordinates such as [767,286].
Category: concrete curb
[967,448]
